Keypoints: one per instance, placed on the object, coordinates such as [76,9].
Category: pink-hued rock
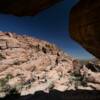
[29,65]
[29,60]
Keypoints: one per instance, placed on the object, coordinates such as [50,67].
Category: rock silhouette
[29,8]
[85,25]
[57,95]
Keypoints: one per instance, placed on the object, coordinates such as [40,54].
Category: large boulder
[85,25]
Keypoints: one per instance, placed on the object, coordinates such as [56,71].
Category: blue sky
[51,25]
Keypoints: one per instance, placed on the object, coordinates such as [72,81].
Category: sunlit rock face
[25,7]
[85,25]
[29,65]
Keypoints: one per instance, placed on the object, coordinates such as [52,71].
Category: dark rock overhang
[25,7]
[84,19]
[85,25]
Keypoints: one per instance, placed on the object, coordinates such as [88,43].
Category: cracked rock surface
[30,65]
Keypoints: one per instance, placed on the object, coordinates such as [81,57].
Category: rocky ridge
[29,65]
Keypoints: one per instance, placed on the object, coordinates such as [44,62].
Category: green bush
[1,57]
[2,82]
[8,77]
[5,80]
[2,85]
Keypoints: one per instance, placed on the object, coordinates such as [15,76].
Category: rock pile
[28,65]
[31,64]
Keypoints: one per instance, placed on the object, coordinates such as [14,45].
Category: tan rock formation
[29,61]
[29,65]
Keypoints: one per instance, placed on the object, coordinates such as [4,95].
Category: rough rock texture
[84,19]
[28,65]
[31,64]
[85,25]
[25,7]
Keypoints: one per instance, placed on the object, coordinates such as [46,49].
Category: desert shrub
[3,85]
[35,47]
[19,86]
[8,77]
[2,82]
[1,57]
[50,46]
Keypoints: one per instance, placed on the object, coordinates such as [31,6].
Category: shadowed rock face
[85,25]
[25,7]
